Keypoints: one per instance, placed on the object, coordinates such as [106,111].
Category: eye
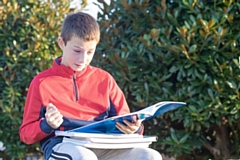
[89,53]
[77,51]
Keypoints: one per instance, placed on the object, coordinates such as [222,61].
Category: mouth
[79,65]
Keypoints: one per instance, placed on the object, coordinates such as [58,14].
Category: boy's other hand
[53,117]
[130,127]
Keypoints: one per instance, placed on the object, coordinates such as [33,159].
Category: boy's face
[77,53]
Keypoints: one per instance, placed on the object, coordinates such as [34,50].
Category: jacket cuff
[45,127]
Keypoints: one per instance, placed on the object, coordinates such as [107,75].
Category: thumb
[50,106]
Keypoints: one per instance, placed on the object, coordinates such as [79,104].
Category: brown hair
[81,25]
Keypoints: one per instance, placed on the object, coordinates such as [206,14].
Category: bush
[181,50]
[28,43]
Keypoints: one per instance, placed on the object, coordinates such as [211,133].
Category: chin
[79,69]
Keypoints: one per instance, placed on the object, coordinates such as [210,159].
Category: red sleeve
[119,101]
[30,131]
[117,97]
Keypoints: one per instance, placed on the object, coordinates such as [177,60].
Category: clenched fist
[53,117]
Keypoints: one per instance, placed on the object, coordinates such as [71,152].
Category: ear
[61,42]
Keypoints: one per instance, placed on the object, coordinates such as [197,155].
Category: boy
[72,93]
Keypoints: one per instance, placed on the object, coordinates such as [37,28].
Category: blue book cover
[108,125]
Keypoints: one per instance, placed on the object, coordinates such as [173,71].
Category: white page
[125,140]
[95,135]
[88,144]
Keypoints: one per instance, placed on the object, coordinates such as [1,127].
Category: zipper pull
[74,75]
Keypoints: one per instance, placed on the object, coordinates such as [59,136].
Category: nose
[83,57]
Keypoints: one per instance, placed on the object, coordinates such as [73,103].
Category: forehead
[80,43]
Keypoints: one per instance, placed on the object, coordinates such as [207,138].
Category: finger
[134,118]
[138,123]
[129,123]
[51,107]
[125,129]
[49,114]
[133,126]
[51,110]
[121,125]
[55,116]
[55,122]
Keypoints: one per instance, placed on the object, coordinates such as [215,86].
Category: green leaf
[184,138]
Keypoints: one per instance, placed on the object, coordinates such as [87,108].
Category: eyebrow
[77,47]
[82,48]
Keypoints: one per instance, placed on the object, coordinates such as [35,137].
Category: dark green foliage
[28,43]
[182,50]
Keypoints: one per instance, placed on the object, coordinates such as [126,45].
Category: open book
[108,125]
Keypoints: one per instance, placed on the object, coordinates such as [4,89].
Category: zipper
[75,86]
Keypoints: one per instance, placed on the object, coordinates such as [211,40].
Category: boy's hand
[130,127]
[53,117]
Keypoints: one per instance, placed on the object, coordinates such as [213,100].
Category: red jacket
[81,97]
